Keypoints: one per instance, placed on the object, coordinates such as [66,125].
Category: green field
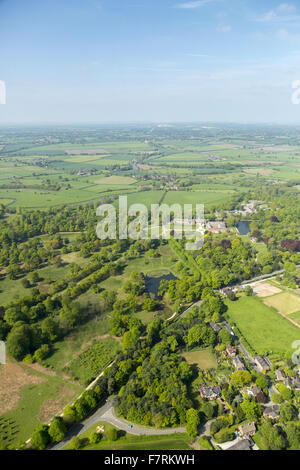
[208,198]
[262,327]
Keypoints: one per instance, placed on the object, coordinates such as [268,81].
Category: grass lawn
[285,303]
[203,359]
[262,326]
[130,442]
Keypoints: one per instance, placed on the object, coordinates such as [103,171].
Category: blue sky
[82,61]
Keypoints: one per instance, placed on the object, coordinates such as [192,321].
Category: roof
[272,411]
[238,362]
[215,326]
[244,444]
[280,375]
[263,362]
[210,392]
[288,382]
[230,349]
[248,428]
[297,383]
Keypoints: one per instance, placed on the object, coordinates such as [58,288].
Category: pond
[153,279]
[244,227]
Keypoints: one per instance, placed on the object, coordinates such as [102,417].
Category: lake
[244,227]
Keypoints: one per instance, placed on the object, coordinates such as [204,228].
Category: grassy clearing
[203,359]
[262,327]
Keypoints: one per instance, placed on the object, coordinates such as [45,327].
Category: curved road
[106,413]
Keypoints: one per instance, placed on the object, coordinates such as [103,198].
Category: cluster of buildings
[249,208]
[212,227]
[84,172]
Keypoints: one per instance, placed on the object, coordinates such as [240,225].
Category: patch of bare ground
[54,406]
[12,379]
[264,289]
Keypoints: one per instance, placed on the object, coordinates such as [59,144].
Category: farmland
[61,171]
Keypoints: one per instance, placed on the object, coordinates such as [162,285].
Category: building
[238,363]
[296,383]
[280,375]
[227,291]
[272,412]
[215,327]
[230,350]
[244,444]
[247,430]
[210,393]
[256,393]
[216,227]
[288,382]
[263,363]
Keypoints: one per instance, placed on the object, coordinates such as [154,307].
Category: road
[266,276]
[106,413]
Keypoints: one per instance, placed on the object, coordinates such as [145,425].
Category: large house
[238,363]
[210,393]
[263,363]
[280,375]
[246,430]
[216,227]
[272,412]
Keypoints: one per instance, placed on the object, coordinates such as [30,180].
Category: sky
[96,61]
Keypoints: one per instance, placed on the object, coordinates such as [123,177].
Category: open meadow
[262,326]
